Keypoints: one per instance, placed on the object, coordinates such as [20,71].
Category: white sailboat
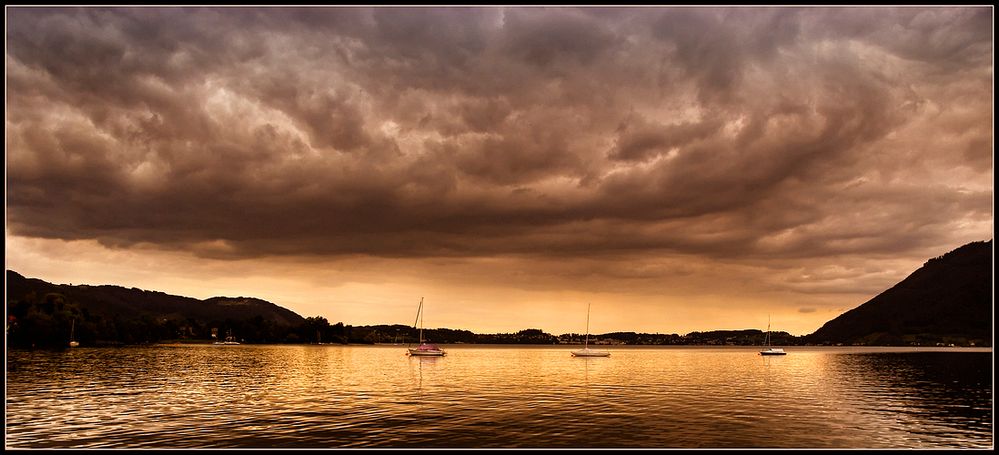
[424,349]
[770,350]
[72,335]
[586,351]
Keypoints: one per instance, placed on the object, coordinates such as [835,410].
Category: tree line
[49,320]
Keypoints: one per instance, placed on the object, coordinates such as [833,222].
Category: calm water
[323,396]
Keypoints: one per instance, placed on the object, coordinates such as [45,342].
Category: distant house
[609,341]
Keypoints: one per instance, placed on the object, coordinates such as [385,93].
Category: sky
[679,169]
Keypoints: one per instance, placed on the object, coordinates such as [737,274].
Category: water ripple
[494,397]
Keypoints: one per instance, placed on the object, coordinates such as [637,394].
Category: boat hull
[781,352]
[419,353]
[590,354]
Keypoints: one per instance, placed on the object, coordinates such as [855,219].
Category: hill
[41,311]
[947,300]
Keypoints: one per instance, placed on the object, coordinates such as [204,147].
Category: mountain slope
[42,311]
[947,300]
[108,300]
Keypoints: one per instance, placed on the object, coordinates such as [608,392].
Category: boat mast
[586,343]
[419,317]
[767,339]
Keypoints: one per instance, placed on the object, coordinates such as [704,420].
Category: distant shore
[613,347]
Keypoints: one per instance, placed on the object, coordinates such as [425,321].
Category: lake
[487,396]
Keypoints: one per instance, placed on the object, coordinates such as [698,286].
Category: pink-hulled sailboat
[424,349]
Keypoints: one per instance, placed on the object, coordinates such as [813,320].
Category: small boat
[229,339]
[427,350]
[770,350]
[424,349]
[586,351]
[72,332]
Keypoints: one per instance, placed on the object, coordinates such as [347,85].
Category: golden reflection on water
[314,396]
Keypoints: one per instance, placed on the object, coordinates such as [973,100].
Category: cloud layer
[776,136]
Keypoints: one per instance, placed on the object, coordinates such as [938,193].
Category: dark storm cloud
[746,132]
[716,60]
[640,140]
[941,37]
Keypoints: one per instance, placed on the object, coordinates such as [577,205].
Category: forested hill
[947,300]
[117,315]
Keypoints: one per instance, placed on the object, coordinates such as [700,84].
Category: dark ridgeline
[40,314]
[948,300]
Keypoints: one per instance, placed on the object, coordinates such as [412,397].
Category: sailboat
[586,351]
[770,350]
[424,349]
[72,332]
